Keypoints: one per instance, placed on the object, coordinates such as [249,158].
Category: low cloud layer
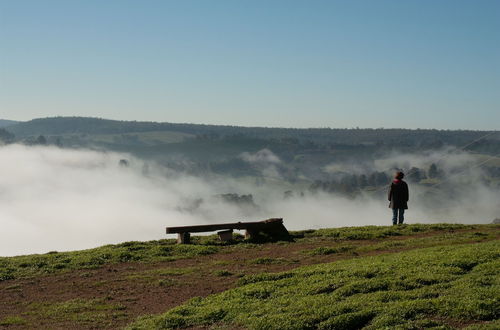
[265,161]
[59,199]
[53,199]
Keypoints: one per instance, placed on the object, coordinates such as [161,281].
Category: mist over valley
[74,183]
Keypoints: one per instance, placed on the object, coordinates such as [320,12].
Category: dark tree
[58,142]
[372,179]
[6,136]
[382,179]
[41,140]
[415,174]
[433,171]
[362,181]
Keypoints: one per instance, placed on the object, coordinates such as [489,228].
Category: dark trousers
[395,217]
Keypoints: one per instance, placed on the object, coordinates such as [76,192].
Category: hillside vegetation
[410,276]
[4,123]
[224,139]
[168,250]
[87,125]
[320,158]
[432,287]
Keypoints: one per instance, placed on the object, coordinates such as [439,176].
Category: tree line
[352,183]
[412,138]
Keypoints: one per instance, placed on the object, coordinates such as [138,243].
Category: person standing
[398,197]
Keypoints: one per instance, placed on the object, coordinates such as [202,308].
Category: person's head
[399,175]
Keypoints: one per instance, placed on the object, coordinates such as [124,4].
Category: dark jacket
[398,195]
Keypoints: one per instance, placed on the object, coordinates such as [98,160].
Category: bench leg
[226,235]
[183,238]
[250,234]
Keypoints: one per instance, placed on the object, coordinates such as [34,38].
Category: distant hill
[5,123]
[403,137]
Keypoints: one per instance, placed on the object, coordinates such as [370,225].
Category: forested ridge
[352,136]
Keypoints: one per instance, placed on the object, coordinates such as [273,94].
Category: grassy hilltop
[408,277]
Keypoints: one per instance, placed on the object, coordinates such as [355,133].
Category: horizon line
[243,126]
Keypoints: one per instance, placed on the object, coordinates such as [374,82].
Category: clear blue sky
[427,64]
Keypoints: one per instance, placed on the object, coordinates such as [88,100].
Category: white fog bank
[60,199]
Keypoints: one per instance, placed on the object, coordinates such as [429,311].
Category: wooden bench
[273,228]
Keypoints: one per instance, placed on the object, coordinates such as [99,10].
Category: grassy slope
[359,289]
[414,289]
[167,250]
[54,262]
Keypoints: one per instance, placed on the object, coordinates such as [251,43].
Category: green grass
[13,320]
[52,262]
[167,250]
[403,244]
[83,311]
[442,287]
[380,232]
[268,261]
[223,273]
[330,250]
[455,283]
[429,241]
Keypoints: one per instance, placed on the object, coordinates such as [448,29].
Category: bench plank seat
[272,227]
